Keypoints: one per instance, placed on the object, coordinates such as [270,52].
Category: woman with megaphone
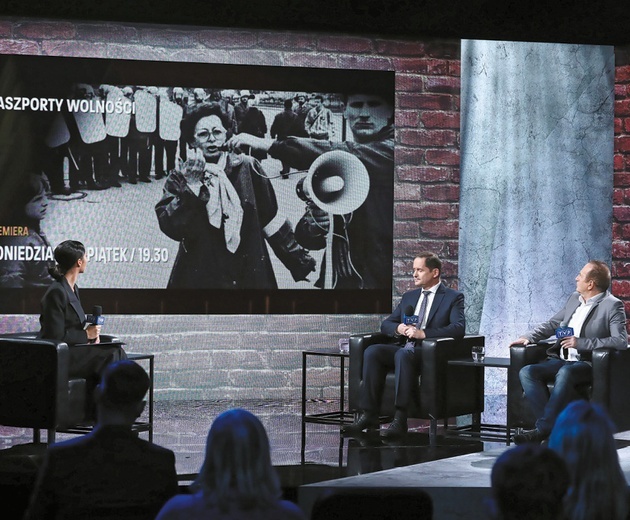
[221,207]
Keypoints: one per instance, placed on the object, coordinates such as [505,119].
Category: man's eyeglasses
[204,135]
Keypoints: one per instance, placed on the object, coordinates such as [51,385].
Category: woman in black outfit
[63,318]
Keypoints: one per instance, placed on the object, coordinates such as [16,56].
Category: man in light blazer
[598,320]
[440,313]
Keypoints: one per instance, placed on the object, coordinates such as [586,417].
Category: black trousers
[378,360]
[88,362]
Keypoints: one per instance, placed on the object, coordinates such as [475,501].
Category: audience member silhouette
[109,473]
[528,482]
[236,480]
[583,437]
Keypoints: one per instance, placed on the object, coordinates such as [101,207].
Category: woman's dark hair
[198,112]
[237,468]
[66,255]
[583,437]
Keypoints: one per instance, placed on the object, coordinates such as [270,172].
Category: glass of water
[344,345]
[478,353]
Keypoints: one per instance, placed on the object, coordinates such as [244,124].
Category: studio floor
[182,426]
[458,466]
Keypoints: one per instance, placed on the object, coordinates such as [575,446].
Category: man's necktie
[411,343]
[423,308]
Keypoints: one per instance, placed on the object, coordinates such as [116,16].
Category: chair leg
[476,422]
[432,431]
[37,437]
[50,436]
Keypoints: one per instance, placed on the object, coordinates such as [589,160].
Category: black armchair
[35,388]
[610,387]
[444,390]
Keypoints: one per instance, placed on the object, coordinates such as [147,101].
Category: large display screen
[198,188]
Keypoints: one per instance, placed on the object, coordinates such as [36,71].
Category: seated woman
[237,479]
[64,319]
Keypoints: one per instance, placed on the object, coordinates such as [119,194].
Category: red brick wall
[427,111]
[427,102]
[621,196]
[426,207]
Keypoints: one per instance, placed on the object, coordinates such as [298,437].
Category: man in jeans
[598,320]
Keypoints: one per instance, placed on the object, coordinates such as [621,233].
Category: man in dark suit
[109,473]
[598,319]
[440,313]
[281,128]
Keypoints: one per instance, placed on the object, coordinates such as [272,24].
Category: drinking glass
[344,345]
[478,353]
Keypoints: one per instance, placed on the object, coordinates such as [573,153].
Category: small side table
[336,417]
[485,431]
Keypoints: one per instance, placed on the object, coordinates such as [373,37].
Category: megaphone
[337,182]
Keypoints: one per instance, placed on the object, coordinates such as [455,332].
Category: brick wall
[426,207]
[621,196]
[208,357]
[427,101]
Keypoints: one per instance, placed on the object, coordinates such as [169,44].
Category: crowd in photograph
[97,151]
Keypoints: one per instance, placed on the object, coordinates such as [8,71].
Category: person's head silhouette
[120,394]
[528,481]
[237,467]
[583,437]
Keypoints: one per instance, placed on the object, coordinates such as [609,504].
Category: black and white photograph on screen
[203,186]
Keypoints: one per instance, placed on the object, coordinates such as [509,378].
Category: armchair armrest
[439,381]
[105,339]
[109,338]
[611,384]
[358,344]
[519,413]
[34,379]
[441,350]
[521,355]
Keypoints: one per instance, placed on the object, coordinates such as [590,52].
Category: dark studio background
[560,21]
[197,357]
